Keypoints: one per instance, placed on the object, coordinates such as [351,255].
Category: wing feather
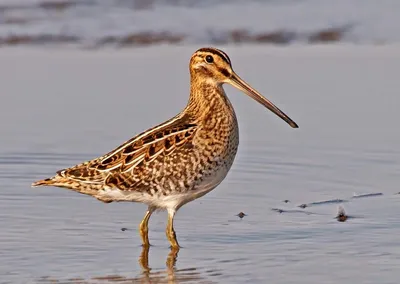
[136,152]
[145,149]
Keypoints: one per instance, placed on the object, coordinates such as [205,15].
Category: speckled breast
[217,142]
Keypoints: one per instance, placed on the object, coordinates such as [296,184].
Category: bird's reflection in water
[171,275]
[170,263]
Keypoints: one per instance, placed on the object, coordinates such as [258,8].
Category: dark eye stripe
[224,72]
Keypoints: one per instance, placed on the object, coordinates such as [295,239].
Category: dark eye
[209,59]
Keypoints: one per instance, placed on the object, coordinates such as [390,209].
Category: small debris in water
[124,229]
[331,201]
[291,211]
[241,215]
[286,200]
[366,195]
[341,217]
[278,210]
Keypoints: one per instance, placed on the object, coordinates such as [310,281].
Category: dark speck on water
[341,216]
[286,200]
[241,215]
[124,229]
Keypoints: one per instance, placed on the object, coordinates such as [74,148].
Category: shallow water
[62,107]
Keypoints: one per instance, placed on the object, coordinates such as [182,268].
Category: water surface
[61,107]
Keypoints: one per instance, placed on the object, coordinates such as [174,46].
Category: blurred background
[118,67]
[128,23]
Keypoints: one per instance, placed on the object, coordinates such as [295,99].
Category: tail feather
[68,183]
[58,181]
[44,182]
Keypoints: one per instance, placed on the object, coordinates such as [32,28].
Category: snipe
[177,161]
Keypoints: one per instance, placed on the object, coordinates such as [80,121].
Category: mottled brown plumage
[177,161]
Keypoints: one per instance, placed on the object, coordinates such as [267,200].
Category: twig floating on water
[367,195]
[291,211]
[332,201]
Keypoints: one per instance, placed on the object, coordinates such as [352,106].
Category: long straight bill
[237,82]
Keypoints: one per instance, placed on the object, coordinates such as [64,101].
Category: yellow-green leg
[144,227]
[170,232]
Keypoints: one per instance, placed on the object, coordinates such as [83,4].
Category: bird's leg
[170,232]
[144,227]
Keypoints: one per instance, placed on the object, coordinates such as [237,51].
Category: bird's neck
[208,99]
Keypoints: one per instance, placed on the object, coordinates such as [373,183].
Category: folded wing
[120,167]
